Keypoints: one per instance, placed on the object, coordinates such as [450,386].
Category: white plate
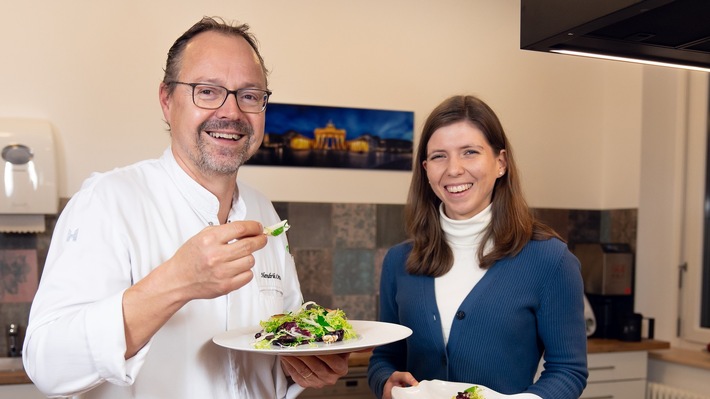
[437,389]
[369,335]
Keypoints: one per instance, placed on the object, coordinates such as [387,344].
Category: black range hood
[668,31]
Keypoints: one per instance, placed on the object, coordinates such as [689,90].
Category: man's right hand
[214,262]
[217,260]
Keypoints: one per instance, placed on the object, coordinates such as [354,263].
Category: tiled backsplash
[339,247]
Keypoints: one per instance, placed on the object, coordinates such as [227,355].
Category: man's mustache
[224,124]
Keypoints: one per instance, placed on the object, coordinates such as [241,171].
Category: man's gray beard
[210,164]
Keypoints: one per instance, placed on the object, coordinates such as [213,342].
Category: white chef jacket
[113,232]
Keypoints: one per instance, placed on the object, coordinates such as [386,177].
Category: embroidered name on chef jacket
[271,275]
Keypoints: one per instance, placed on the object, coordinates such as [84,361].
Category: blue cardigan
[523,306]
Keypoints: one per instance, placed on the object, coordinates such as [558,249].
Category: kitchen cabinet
[617,369]
[620,375]
[352,386]
[24,391]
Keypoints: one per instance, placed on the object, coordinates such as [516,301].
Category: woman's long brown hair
[512,222]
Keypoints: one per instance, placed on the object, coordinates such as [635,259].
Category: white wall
[660,217]
[93,68]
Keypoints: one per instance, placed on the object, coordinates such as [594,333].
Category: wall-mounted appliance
[675,32]
[608,274]
[28,179]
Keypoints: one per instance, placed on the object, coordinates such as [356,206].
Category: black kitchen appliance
[608,274]
[671,31]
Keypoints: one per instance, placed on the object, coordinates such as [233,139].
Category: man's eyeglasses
[252,101]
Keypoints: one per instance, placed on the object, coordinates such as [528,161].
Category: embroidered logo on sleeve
[72,235]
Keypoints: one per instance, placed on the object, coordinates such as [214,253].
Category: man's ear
[164,98]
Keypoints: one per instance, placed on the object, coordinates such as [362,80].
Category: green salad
[310,324]
[471,393]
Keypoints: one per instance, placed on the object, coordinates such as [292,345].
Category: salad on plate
[473,392]
[310,324]
[438,389]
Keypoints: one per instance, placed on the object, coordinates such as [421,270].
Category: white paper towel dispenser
[28,181]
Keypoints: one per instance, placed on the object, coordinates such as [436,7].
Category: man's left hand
[315,371]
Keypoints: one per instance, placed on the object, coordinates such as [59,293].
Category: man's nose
[230,106]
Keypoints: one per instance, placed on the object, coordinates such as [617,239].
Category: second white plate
[438,389]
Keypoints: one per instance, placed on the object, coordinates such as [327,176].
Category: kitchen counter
[359,359]
[693,358]
[16,375]
[12,371]
[602,345]
[594,345]
[8,377]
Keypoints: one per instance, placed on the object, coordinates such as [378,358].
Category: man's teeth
[229,136]
[459,188]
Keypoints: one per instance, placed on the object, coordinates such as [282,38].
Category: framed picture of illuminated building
[334,137]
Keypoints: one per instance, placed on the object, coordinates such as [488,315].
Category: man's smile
[228,136]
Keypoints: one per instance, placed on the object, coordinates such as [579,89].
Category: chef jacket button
[460,315]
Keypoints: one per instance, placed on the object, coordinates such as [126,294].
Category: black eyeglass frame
[267,94]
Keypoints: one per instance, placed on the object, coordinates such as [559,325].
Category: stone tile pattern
[339,248]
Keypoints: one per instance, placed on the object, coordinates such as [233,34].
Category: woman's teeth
[459,188]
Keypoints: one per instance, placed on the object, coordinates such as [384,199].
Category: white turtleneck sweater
[464,237]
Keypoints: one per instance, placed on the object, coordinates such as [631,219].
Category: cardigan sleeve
[389,358]
[561,328]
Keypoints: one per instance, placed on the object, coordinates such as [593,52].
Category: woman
[485,288]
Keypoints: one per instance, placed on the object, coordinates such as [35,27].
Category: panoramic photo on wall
[334,137]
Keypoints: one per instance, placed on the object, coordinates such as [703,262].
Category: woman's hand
[315,371]
[398,379]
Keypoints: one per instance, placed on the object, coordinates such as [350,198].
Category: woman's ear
[502,162]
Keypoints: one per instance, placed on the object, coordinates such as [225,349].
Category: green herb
[277,229]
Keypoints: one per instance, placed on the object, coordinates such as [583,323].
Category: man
[150,261]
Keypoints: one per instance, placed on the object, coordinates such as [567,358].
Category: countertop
[602,345]
[360,359]
[12,371]
[687,357]
[594,345]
